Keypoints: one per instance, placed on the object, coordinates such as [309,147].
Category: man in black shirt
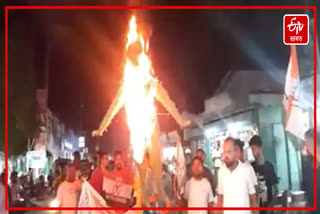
[308,175]
[264,168]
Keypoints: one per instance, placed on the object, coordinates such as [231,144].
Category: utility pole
[47,68]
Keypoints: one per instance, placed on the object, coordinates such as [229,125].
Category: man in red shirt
[122,173]
[96,179]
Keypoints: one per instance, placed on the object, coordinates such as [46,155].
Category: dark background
[191,51]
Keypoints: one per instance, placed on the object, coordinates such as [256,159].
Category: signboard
[117,193]
[36,159]
[82,142]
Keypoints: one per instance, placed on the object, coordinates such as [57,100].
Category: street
[41,212]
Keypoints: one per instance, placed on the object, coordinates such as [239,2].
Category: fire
[137,94]
[139,88]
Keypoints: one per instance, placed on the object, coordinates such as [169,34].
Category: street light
[81,142]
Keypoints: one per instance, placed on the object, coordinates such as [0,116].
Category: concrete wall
[274,139]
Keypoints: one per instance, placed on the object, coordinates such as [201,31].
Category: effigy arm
[116,104]
[163,97]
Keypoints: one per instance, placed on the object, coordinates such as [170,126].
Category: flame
[139,91]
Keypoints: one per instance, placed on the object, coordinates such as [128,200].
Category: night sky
[191,51]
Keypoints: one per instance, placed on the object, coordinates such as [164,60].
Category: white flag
[293,76]
[90,198]
[295,121]
[180,163]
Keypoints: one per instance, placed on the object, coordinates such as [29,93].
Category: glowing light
[187,151]
[139,90]
[54,203]
[82,142]
[68,145]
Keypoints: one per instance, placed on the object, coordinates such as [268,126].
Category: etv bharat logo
[295,26]
[296,29]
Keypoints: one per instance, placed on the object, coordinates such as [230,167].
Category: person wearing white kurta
[236,188]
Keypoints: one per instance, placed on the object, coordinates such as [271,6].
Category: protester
[23,180]
[96,161]
[97,176]
[198,192]
[264,169]
[206,172]
[94,166]
[118,188]
[29,186]
[50,179]
[308,182]
[30,174]
[122,173]
[40,188]
[167,182]
[16,189]
[235,185]
[77,163]
[60,175]
[241,157]
[3,195]
[69,191]
[150,196]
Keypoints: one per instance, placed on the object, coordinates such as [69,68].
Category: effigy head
[133,52]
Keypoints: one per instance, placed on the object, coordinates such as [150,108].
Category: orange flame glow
[139,89]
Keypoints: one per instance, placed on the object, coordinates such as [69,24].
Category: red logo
[296,29]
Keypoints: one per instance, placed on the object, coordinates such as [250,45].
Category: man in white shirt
[198,192]
[69,191]
[235,186]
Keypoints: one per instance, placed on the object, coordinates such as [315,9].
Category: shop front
[241,125]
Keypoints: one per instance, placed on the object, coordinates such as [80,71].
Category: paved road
[45,203]
[40,212]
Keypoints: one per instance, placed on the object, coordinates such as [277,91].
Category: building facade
[249,103]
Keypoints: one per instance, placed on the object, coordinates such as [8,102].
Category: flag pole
[288,160]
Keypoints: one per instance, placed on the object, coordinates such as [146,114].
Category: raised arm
[117,103]
[164,99]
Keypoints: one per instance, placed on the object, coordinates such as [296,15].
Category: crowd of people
[236,185]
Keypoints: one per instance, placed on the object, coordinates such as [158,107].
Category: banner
[90,198]
[117,192]
[36,159]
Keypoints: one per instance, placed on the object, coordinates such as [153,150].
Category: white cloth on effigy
[90,198]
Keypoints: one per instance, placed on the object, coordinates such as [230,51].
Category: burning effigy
[137,95]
